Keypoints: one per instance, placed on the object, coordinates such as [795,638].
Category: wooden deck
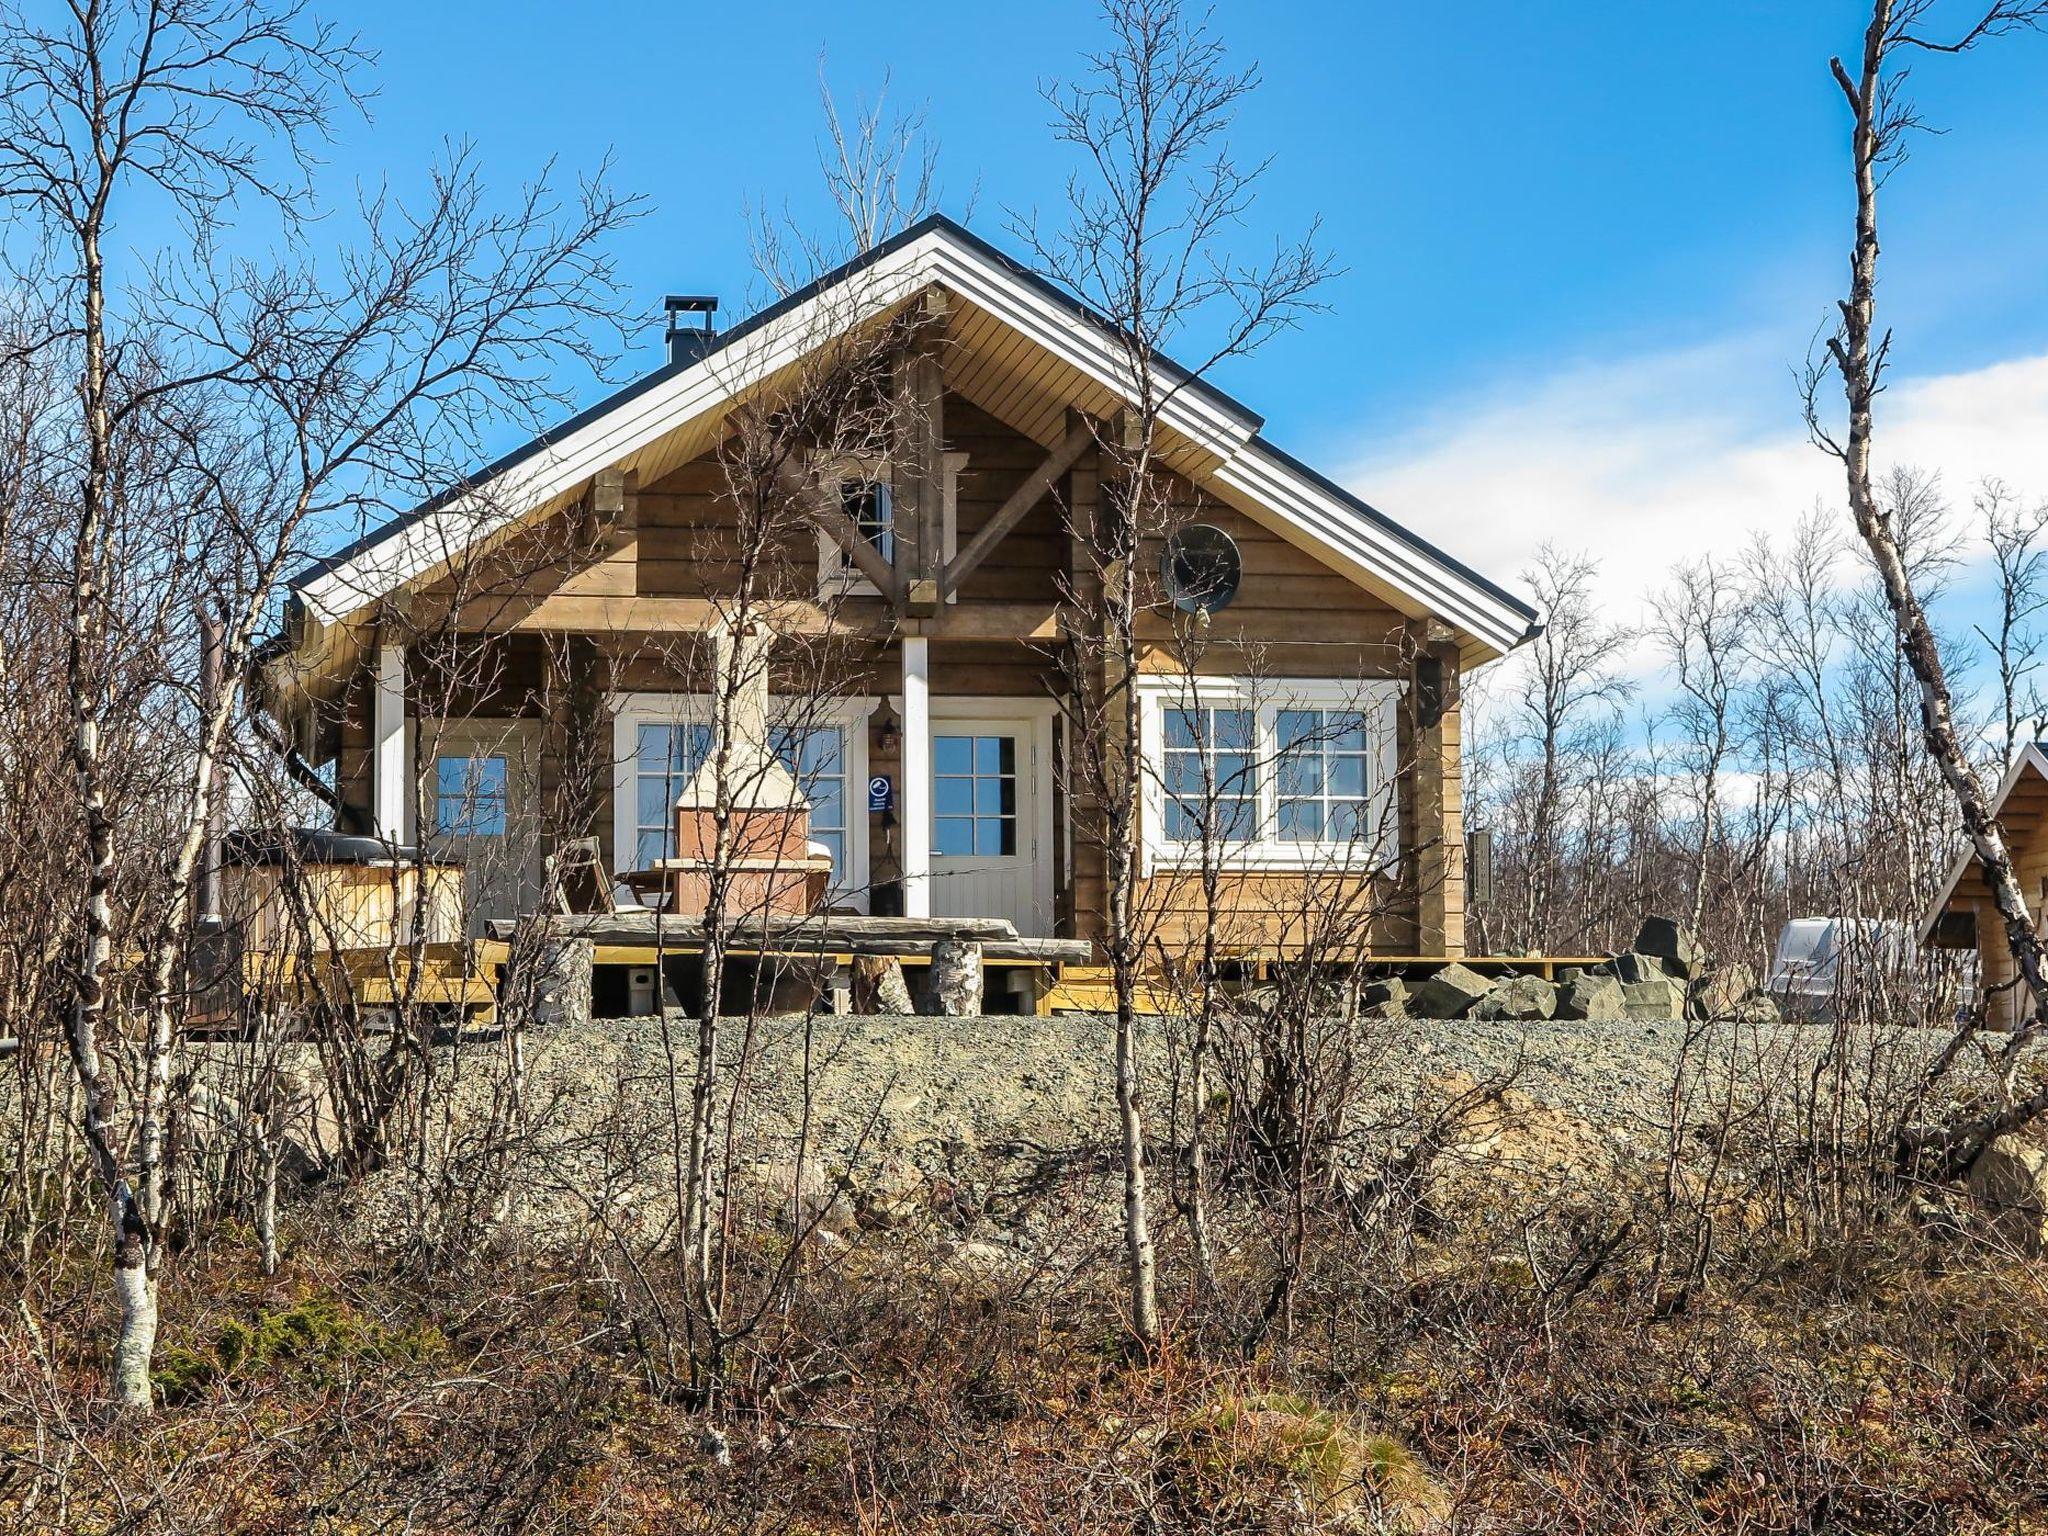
[462,975]
[638,938]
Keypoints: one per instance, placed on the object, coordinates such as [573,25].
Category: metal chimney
[686,345]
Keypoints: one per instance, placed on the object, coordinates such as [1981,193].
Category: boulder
[1633,967]
[1449,994]
[1383,999]
[1519,997]
[1594,997]
[2009,1182]
[1671,942]
[1720,992]
[1657,998]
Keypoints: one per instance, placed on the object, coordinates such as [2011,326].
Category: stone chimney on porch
[772,866]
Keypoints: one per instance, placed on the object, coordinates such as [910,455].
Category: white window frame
[630,711]
[1378,699]
[838,576]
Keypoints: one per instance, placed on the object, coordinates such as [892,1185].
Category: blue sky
[1506,191]
[1583,246]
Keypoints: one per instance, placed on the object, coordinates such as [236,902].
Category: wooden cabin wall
[1026,564]
[1293,617]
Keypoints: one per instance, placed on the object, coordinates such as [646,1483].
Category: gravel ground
[989,1083]
[1002,1104]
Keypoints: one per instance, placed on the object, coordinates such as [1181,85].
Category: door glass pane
[469,796]
[953,835]
[974,796]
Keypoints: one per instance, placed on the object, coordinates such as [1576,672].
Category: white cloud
[1649,460]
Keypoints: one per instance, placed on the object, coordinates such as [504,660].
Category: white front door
[992,816]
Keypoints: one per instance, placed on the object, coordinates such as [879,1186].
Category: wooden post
[953,982]
[915,800]
[1435,789]
[388,771]
[1086,883]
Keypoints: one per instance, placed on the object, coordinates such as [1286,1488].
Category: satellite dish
[1201,568]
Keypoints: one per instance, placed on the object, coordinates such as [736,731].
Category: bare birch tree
[1147,246]
[2019,559]
[223,410]
[1882,120]
[1570,675]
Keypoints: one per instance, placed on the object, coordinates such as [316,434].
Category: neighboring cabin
[1962,916]
[568,585]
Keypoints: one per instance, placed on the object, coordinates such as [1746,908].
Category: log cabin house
[513,664]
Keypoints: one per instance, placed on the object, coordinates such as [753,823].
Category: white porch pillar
[387,769]
[915,821]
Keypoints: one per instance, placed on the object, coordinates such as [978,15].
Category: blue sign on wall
[881,792]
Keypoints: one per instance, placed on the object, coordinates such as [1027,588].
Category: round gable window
[1201,568]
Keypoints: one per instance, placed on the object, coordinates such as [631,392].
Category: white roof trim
[2030,756]
[414,547]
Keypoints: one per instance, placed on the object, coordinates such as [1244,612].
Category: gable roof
[1244,467]
[2022,820]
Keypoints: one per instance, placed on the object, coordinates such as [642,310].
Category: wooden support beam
[920,480]
[1012,512]
[826,512]
[845,532]
[835,932]
[614,614]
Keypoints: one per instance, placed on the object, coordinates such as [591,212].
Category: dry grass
[1893,1381]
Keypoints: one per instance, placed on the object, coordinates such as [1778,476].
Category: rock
[1633,967]
[803,1197]
[953,990]
[1593,996]
[1383,999]
[1520,997]
[896,1194]
[1670,941]
[1658,998]
[1720,993]
[1449,994]
[2009,1181]
[879,987]
[1759,1008]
